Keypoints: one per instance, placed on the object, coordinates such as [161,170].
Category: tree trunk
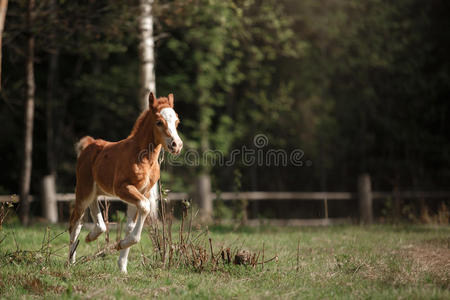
[50,207]
[204,178]
[48,182]
[204,197]
[49,204]
[52,75]
[51,88]
[365,199]
[3,9]
[28,120]
[146,53]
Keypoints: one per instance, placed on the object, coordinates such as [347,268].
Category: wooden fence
[364,196]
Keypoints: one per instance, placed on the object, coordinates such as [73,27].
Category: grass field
[378,262]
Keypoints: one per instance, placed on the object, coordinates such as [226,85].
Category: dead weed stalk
[39,256]
[189,249]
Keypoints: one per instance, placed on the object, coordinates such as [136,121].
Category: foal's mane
[161,103]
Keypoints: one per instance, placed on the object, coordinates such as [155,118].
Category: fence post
[204,197]
[49,199]
[365,199]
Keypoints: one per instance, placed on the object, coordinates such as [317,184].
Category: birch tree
[146,52]
[48,181]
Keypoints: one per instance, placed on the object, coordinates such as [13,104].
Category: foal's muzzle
[175,146]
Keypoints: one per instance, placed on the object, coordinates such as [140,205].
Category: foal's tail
[83,143]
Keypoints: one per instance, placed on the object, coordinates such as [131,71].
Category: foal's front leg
[131,223]
[131,195]
[135,235]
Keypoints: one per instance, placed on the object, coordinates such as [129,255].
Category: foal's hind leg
[131,223]
[74,229]
[99,224]
[81,203]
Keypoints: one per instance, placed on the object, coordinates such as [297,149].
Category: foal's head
[166,123]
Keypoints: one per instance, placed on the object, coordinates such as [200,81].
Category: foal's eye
[159,123]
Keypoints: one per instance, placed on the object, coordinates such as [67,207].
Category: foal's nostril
[174,144]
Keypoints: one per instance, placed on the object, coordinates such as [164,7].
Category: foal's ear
[152,101]
[171,100]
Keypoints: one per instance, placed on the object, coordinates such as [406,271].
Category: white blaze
[171,118]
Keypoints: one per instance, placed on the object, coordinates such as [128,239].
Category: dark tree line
[359,86]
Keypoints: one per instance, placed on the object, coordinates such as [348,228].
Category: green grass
[335,262]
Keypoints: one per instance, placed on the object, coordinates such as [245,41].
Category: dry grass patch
[433,259]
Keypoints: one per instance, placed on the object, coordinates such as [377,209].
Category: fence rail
[264,196]
[362,196]
[258,196]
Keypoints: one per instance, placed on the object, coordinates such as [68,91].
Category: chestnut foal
[119,169]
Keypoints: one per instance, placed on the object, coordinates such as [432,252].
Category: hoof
[71,261]
[91,239]
[72,252]
[88,239]
[117,247]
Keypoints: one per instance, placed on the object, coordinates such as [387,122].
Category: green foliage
[222,46]
[359,86]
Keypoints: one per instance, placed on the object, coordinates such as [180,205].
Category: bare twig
[54,252]
[15,241]
[58,235]
[102,252]
[262,264]
[3,238]
[43,239]
[211,249]
[169,229]
[48,251]
[190,226]
[269,260]
[4,212]
[163,220]
[298,255]
[143,257]
[106,218]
